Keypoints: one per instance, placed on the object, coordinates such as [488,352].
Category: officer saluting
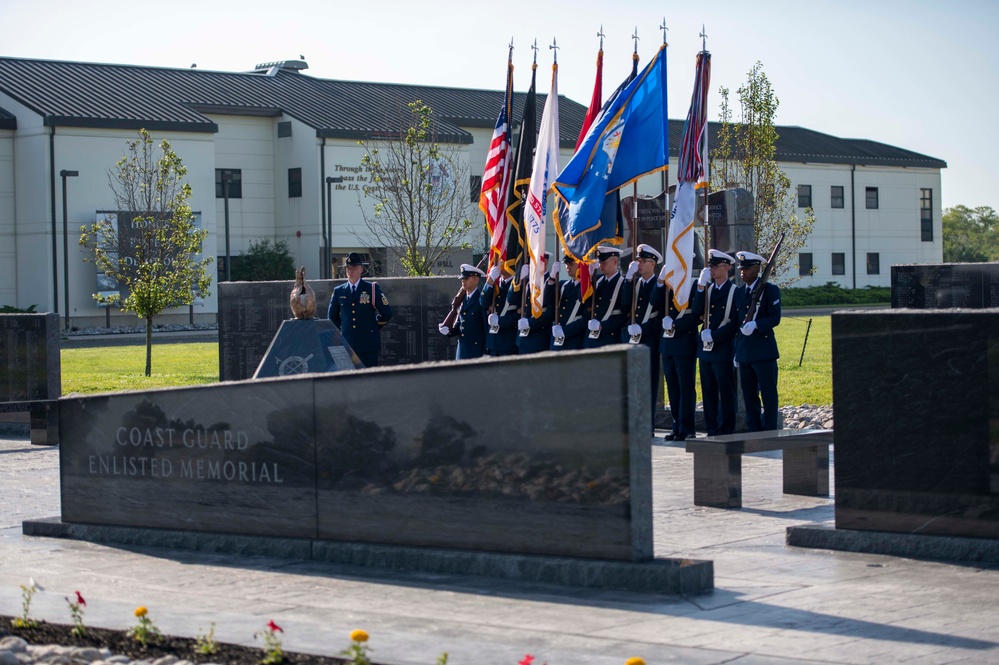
[717,350]
[756,347]
[470,324]
[360,309]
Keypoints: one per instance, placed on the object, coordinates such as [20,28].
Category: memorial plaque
[226,458]
[250,314]
[424,459]
[29,357]
[945,286]
[307,347]
[917,450]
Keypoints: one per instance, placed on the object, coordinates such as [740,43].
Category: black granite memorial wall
[29,357]
[491,455]
[945,286]
[917,421]
[250,314]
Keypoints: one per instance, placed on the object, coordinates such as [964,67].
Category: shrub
[266,260]
[8,309]
[834,294]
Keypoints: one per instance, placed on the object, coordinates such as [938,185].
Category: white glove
[632,269]
[748,329]
[444,330]
[523,324]
[525,270]
[705,277]
[667,323]
[557,331]
[494,273]
[706,336]
[634,330]
[494,319]
[662,274]
[593,324]
[556,269]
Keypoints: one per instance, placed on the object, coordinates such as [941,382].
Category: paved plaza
[771,603]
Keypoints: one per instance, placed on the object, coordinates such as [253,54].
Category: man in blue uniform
[642,289]
[470,325]
[756,347]
[501,330]
[678,344]
[717,351]
[570,326]
[360,309]
[534,332]
[608,317]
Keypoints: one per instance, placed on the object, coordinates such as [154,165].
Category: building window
[926,214]
[235,183]
[873,263]
[804,196]
[284,129]
[872,198]
[839,263]
[836,196]
[294,183]
[804,264]
[474,188]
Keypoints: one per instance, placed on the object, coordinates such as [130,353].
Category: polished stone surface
[312,346]
[493,454]
[917,399]
[231,458]
[29,357]
[945,286]
[250,314]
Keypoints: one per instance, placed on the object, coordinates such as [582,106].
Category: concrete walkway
[771,604]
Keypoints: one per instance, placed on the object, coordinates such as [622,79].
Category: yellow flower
[141,611]
[358,636]
[634,661]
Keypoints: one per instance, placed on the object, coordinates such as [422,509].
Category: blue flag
[627,141]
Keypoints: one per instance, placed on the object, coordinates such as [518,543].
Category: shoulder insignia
[776,301]
[384,299]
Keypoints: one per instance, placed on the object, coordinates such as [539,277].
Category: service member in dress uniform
[501,320]
[608,317]
[470,325]
[717,352]
[534,333]
[570,329]
[756,347]
[360,309]
[642,288]
[678,345]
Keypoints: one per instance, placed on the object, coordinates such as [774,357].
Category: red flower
[274,627]
[79,599]
[528,659]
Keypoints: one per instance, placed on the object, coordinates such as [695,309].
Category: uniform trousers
[679,374]
[759,380]
[718,393]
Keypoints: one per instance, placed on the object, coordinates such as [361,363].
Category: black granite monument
[945,286]
[303,346]
[30,371]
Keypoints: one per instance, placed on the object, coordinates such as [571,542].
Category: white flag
[543,172]
[680,243]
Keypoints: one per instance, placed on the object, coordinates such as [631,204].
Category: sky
[916,74]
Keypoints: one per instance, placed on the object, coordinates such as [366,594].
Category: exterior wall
[8,258]
[893,230]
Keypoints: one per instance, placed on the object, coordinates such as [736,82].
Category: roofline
[119,123]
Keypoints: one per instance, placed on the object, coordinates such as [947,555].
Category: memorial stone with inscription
[945,286]
[29,357]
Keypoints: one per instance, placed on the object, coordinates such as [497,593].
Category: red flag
[596,101]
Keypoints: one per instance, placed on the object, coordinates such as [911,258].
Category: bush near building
[833,294]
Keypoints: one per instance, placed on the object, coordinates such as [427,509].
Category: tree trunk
[149,345]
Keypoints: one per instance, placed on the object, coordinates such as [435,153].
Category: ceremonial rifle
[457,301]
[761,283]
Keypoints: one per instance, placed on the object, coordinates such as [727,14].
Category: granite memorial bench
[718,463]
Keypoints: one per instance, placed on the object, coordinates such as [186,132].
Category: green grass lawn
[114,368]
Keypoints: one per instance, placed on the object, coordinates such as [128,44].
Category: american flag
[496,178]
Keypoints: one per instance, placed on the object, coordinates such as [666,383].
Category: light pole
[226,177]
[328,234]
[65,243]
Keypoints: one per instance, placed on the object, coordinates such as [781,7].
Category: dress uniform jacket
[717,371]
[757,357]
[723,334]
[761,345]
[470,328]
[504,342]
[540,331]
[360,314]
[571,316]
[609,311]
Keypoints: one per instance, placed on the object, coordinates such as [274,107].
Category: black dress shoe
[672,436]
[691,436]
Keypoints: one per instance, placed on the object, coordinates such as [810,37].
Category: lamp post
[328,227]
[226,178]
[65,243]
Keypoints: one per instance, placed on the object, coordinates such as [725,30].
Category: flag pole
[634,209]
[523,212]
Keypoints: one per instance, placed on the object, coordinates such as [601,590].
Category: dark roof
[79,94]
[7,120]
[76,94]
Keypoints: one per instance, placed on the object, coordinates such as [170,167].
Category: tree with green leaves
[150,247]
[970,235]
[420,188]
[266,260]
[746,157]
